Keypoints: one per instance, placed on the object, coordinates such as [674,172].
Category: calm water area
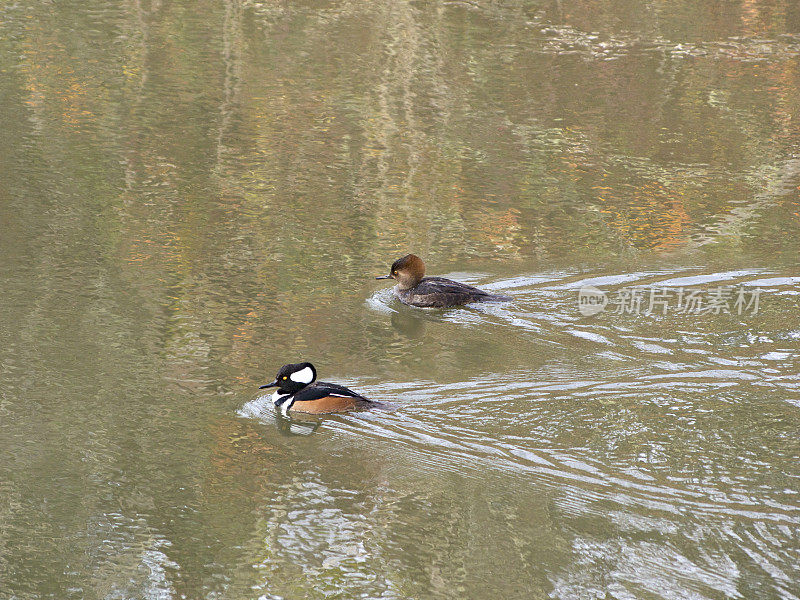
[193,193]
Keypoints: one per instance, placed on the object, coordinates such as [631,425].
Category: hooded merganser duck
[298,392]
[414,289]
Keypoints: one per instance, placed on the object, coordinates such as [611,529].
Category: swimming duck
[298,392]
[414,289]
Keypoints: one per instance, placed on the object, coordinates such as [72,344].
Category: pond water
[195,193]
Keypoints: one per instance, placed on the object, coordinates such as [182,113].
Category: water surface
[194,193]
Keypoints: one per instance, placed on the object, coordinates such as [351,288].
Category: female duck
[414,289]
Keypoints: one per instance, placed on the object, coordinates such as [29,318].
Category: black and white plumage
[297,391]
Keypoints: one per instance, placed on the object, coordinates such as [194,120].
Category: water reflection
[193,193]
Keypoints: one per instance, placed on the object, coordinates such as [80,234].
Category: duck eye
[284,377]
[394,272]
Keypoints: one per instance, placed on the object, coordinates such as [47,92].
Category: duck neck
[408,281]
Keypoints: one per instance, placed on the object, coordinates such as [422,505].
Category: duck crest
[408,271]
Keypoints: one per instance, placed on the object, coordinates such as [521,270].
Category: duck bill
[384,277]
[268,385]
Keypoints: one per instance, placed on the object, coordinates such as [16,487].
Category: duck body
[318,398]
[414,289]
[438,292]
[299,392]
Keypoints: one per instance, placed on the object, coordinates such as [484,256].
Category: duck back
[438,292]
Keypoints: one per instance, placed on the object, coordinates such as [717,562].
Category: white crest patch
[305,375]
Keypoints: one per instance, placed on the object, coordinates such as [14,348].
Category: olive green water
[194,193]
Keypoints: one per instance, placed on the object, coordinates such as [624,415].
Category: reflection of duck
[298,392]
[410,325]
[298,425]
[414,289]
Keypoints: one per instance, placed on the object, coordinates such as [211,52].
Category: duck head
[293,377]
[407,271]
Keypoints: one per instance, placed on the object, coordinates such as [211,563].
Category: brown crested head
[407,271]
